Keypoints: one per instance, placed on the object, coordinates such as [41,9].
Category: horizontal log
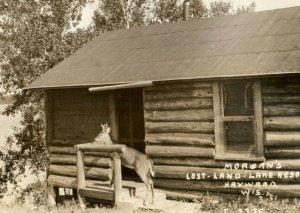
[284,164]
[61,142]
[281,99]
[189,195]
[279,152]
[180,115]
[90,172]
[180,139]
[178,93]
[102,194]
[214,174]
[180,127]
[88,160]
[179,103]
[72,151]
[290,88]
[186,85]
[189,185]
[179,151]
[282,123]
[282,110]
[71,182]
[282,139]
[68,150]
[280,190]
[280,80]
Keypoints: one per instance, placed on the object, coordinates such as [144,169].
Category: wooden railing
[115,151]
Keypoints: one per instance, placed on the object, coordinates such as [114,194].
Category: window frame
[220,119]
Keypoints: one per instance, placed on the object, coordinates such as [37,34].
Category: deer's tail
[151,169]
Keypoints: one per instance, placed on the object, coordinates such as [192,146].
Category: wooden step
[138,200]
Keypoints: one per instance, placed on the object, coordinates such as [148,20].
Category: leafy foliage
[33,39]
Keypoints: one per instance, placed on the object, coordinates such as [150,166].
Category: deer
[132,159]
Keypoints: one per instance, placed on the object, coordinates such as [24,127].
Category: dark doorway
[130,114]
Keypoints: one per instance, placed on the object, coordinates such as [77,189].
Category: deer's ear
[102,126]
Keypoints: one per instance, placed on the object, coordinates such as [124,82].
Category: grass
[206,204]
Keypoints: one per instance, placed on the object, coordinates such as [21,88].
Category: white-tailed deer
[132,159]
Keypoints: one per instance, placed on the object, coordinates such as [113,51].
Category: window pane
[239,136]
[238,99]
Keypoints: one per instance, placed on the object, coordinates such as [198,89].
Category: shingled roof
[257,44]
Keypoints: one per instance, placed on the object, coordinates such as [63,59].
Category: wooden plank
[284,164]
[117,178]
[88,160]
[91,172]
[122,86]
[281,99]
[180,115]
[185,85]
[282,152]
[71,182]
[282,123]
[67,142]
[282,110]
[80,178]
[179,151]
[282,139]
[282,89]
[97,193]
[180,139]
[179,103]
[218,122]
[178,93]
[213,174]
[279,80]
[189,195]
[119,148]
[217,186]
[237,118]
[62,181]
[68,150]
[180,127]
[258,122]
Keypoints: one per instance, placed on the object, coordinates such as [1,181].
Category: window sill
[240,157]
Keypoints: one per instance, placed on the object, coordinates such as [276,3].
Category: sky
[260,5]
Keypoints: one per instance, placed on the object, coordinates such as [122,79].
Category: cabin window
[238,120]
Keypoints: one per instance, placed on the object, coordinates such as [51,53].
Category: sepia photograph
[150,106]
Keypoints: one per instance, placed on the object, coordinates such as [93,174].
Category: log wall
[281,111]
[74,117]
[180,137]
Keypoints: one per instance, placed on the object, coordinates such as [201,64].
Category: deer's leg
[144,174]
[152,189]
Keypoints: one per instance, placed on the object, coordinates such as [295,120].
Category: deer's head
[104,137]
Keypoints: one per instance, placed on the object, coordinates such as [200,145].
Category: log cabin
[214,102]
